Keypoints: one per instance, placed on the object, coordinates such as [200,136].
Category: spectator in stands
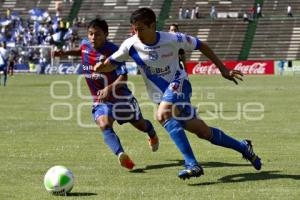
[174,28]
[8,13]
[197,14]
[180,13]
[83,21]
[187,13]
[193,13]
[12,58]
[245,17]
[251,14]
[213,12]
[281,66]
[258,11]
[58,8]
[3,62]
[289,11]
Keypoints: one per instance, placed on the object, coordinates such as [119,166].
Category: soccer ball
[59,180]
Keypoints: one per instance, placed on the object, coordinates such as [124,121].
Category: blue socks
[113,141]
[177,134]
[221,139]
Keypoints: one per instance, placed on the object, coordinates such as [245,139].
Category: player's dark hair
[176,26]
[144,15]
[100,23]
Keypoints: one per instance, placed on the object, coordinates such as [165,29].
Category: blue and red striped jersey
[96,81]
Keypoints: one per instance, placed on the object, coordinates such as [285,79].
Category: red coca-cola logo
[254,68]
[246,67]
[208,69]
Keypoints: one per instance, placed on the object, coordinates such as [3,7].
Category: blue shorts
[122,111]
[179,93]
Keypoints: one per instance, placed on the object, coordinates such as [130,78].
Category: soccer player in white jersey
[156,54]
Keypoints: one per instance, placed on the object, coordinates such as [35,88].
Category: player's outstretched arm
[72,52]
[111,89]
[231,75]
[105,66]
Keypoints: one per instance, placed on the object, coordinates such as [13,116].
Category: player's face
[96,37]
[145,33]
[173,29]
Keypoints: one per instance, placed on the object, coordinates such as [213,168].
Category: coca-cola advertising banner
[265,67]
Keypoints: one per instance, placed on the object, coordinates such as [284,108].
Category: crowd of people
[21,36]
[39,28]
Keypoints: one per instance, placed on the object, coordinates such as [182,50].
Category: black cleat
[251,156]
[193,171]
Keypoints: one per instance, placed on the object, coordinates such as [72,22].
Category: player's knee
[103,124]
[163,116]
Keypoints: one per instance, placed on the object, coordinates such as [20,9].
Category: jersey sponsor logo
[170,54]
[153,55]
[157,71]
[151,48]
[87,67]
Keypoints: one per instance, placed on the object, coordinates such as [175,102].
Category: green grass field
[31,142]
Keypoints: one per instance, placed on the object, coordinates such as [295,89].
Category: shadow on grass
[176,163]
[81,194]
[158,166]
[236,178]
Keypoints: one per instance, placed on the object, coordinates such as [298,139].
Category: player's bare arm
[231,75]
[105,66]
[119,82]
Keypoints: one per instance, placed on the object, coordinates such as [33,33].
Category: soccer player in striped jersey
[156,54]
[112,98]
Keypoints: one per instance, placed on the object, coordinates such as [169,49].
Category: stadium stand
[117,13]
[279,8]
[115,8]
[225,35]
[23,6]
[277,36]
[239,6]
[276,39]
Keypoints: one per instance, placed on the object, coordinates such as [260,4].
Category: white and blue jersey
[3,59]
[159,63]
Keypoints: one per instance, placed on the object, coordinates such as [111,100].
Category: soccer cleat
[193,171]
[154,143]
[125,161]
[251,156]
